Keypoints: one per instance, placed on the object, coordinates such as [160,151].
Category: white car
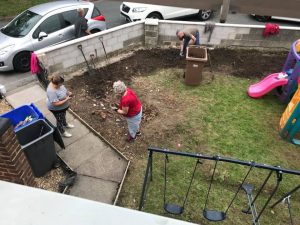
[267,18]
[137,11]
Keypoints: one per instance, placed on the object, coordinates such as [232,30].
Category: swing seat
[214,215]
[248,188]
[173,208]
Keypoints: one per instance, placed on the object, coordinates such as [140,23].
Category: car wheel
[155,15]
[95,31]
[21,62]
[204,15]
[262,18]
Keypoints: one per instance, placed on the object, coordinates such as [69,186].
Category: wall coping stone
[224,24]
[153,22]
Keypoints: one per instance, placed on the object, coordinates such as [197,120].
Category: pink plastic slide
[266,85]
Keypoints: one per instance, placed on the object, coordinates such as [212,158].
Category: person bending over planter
[187,36]
[58,103]
[130,107]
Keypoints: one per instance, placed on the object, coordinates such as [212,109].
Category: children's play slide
[267,84]
[287,79]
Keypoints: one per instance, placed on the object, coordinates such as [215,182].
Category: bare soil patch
[93,94]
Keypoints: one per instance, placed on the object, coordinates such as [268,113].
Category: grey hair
[177,31]
[80,10]
[119,87]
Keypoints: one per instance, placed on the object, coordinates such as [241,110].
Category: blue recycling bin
[21,113]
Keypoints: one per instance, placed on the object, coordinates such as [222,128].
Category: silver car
[40,26]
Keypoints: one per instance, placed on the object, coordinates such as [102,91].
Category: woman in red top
[130,107]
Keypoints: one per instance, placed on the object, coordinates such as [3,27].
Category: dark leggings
[61,121]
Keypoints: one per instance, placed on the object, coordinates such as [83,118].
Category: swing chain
[216,158]
[252,164]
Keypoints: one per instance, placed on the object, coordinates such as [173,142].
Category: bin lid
[28,128]
[196,53]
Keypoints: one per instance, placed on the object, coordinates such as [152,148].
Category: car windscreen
[22,24]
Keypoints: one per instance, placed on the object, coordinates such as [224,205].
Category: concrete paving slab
[30,95]
[79,131]
[82,150]
[94,189]
[57,147]
[107,165]
[51,118]
[70,117]
[42,106]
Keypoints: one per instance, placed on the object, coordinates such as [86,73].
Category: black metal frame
[286,198]
[145,184]
[279,172]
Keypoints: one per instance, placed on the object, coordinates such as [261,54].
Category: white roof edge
[36,206]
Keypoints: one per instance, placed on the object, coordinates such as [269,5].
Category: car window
[85,11]
[69,17]
[49,26]
[22,24]
[96,12]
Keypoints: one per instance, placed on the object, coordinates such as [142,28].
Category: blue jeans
[187,41]
[134,123]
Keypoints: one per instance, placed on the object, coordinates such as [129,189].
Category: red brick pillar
[14,166]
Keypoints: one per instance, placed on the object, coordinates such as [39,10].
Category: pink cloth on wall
[34,64]
[270,29]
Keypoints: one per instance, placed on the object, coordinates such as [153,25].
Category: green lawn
[10,8]
[220,120]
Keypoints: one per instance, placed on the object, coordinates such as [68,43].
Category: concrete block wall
[229,34]
[67,55]
[14,166]
[153,33]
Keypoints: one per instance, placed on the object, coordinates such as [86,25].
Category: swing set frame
[214,215]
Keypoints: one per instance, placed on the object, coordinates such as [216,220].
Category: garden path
[100,168]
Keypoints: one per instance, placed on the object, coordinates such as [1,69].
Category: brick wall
[14,166]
